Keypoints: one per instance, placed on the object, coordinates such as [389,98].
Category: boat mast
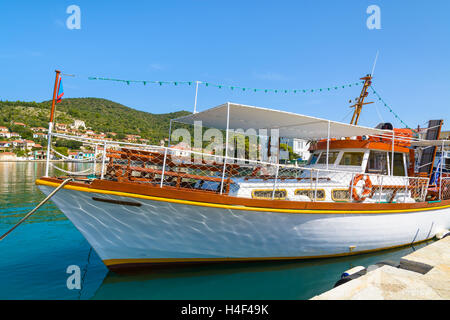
[50,124]
[360,101]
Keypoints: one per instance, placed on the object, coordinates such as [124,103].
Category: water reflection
[19,194]
[266,280]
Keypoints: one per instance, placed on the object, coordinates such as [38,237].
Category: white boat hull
[161,232]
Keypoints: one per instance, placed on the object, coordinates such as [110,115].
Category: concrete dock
[421,275]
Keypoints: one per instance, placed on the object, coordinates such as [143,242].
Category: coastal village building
[301,147]
[39,135]
[132,137]
[38,129]
[4,145]
[61,127]
[78,124]
[8,156]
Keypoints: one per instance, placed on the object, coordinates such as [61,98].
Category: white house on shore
[301,147]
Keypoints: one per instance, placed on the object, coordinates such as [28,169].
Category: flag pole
[50,124]
[52,112]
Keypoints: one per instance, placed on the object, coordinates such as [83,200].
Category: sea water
[35,259]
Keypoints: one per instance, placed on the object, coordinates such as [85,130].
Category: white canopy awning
[430,143]
[290,125]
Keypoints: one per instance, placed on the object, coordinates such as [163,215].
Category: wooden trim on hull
[208,199]
[118,265]
[359,144]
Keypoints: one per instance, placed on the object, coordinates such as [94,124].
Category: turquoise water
[34,259]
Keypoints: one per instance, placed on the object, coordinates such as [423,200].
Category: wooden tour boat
[363,189]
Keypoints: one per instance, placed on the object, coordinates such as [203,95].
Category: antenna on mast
[374,64]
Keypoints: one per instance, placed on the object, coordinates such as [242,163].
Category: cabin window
[267,194]
[332,156]
[352,159]
[320,195]
[340,195]
[378,163]
[313,158]
[399,166]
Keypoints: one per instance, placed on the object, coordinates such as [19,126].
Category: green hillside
[99,114]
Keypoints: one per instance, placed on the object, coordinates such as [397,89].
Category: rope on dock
[37,207]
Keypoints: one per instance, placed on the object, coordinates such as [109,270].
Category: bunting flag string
[237,88]
[390,109]
[246,89]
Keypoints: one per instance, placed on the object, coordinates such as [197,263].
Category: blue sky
[258,44]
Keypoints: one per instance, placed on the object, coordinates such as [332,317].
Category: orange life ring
[367,189]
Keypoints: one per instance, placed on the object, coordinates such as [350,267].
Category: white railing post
[49,145]
[95,159]
[103,161]
[226,148]
[315,189]
[406,188]
[380,190]
[223,174]
[392,153]
[440,175]
[275,181]
[351,188]
[164,167]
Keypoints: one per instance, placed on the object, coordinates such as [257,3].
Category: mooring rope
[76,160]
[78,173]
[37,207]
[84,273]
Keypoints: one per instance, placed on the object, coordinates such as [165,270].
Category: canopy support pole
[328,141]
[392,153]
[170,133]
[102,174]
[440,175]
[196,92]
[226,147]
[95,158]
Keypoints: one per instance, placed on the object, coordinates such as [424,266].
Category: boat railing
[444,188]
[172,167]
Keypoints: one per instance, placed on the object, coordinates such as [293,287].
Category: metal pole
[49,145]
[170,133]
[164,167]
[406,187]
[103,161]
[381,189]
[226,147]
[351,187]
[315,190]
[440,175]
[95,159]
[328,142]
[275,181]
[196,92]
[392,160]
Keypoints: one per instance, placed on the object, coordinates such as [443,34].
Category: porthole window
[320,196]
[267,194]
[340,195]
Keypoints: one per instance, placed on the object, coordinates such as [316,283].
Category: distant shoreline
[65,161]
